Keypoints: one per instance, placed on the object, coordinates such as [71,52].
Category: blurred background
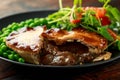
[8,7]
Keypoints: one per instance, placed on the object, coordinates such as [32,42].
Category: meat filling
[78,46]
[70,53]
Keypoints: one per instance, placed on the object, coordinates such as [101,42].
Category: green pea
[0,32]
[16,56]
[36,19]
[1,52]
[9,26]
[14,23]
[29,21]
[43,21]
[9,51]
[5,54]
[11,56]
[3,29]
[15,27]
[2,44]
[21,60]
[4,34]
[4,38]
[37,23]
[7,31]
[48,19]
[21,24]
[3,47]
[12,52]
[26,25]
[1,40]
[32,25]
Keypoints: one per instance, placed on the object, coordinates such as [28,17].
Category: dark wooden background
[9,71]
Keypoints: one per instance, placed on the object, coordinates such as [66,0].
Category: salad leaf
[114,12]
[104,32]
[89,28]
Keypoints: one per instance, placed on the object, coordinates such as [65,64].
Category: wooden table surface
[9,71]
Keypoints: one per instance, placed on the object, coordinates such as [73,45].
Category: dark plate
[36,14]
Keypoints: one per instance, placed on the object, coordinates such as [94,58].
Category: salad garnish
[102,20]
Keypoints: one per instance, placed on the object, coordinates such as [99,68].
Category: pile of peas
[7,52]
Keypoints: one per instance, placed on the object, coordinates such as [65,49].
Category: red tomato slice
[78,18]
[99,12]
[75,21]
[105,21]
